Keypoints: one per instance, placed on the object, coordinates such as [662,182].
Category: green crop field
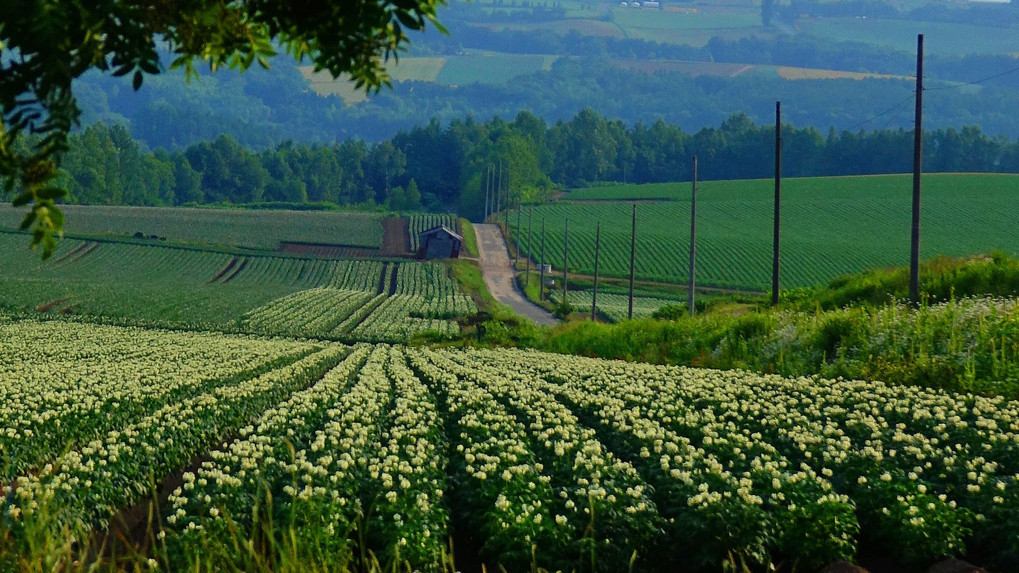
[649,19]
[425,221]
[940,38]
[258,229]
[553,462]
[613,307]
[484,67]
[194,289]
[831,226]
[690,68]
[491,68]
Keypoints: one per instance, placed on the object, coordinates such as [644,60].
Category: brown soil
[224,270]
[133,530]
[392,280]
[51,304]
[79,254]
[395,237]
[240,268]
[328,251]
[73,252]
[382,279]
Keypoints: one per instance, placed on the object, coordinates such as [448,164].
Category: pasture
[831,226]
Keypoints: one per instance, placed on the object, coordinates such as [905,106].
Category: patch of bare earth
[328,251]
[395,237]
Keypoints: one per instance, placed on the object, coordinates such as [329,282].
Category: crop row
[614,307]
[916,472]
[89,483]
[425,299]
[262,229]
[54,396]
[425,221]
[352,457]
[830,226]
[312,313]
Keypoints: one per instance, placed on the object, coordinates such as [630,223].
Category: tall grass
[970,344]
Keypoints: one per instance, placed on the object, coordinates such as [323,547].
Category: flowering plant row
[916,472]
[376,456]
[55,396]
[88,484]
[416,297]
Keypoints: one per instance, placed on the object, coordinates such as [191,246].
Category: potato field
[196,289]
[374,455]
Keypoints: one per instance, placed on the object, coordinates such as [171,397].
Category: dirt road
[498,273]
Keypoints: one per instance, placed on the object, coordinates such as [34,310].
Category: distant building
[439,243]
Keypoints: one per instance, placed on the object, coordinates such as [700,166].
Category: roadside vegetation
[964,337]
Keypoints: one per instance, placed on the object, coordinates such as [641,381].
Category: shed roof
[442,229]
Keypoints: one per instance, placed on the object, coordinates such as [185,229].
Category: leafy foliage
[46,46]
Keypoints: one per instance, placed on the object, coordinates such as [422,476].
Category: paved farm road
[498,273]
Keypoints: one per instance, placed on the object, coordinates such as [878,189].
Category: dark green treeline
[443,168]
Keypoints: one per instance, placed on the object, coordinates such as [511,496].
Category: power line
[898,105]
[974,82]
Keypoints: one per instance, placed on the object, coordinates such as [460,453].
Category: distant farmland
[483,67]
[831,226]
[258,229]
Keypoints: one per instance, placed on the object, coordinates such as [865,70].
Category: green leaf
[136,81]
[28,220]
[23,199]
[57,217]
[51,193]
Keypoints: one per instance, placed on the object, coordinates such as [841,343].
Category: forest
[442,167]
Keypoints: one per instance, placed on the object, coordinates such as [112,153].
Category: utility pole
[498,195]
[488,191]
[778,200]
[633,256]
[527,261]
[597,249]
[693,238]
[541,268]
[914,252]
[516,258]
[566,257]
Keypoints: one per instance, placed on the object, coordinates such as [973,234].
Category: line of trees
[442,167]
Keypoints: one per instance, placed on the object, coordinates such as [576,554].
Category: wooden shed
[439,243]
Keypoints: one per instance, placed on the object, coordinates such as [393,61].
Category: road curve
[499,275]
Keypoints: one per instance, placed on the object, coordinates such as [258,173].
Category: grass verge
[470,239]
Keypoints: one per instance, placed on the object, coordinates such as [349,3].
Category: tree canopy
[46,44]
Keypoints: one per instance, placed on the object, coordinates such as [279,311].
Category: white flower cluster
[89,483]
[602,489]
[504,484]
[308,313]
[57,395]
[789,446]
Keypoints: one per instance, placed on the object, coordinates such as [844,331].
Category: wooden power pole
[633,256]
[597,249]
[541,264]
[693,238]
[778,200]
[516,231]
[914,252]
[566,257]
[488,192]
[498,195]
[527,272]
